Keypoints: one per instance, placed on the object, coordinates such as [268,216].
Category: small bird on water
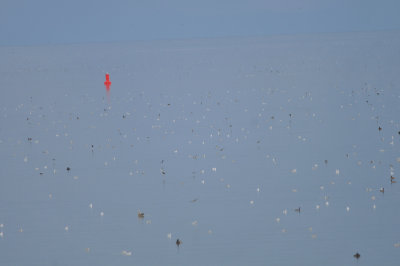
[357,255]
[140,214]
[178,242]
[297,210]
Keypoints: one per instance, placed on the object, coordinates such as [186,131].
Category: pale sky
[26,22]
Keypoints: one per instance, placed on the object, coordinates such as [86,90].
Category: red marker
[107,82]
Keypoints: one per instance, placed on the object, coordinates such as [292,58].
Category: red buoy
[107,83]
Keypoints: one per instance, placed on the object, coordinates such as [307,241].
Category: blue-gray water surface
[259,151]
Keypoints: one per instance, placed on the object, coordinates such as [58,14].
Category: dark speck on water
[357,255]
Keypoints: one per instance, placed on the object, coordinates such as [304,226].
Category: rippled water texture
[259,151]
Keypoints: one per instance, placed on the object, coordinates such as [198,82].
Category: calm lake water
[217,142]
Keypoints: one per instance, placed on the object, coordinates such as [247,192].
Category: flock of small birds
[227,133]
[210,131]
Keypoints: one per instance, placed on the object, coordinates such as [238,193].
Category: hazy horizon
[48,22]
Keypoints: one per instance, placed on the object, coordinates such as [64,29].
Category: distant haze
[26,22]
